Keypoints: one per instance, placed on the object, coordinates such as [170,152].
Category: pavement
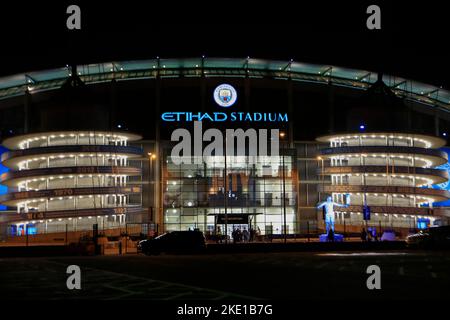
[212,248]
[241,276]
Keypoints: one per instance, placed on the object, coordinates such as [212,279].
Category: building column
[436,123]
[26,111]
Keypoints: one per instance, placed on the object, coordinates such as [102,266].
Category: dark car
[434,237]
[174,242]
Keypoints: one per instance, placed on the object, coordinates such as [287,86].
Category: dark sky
[412,42]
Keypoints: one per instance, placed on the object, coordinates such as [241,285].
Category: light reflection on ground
[363,254]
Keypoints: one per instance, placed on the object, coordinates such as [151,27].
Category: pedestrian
[364,234]
[252,234]
[374,235]
[245,235]
[239,235]
[219,235]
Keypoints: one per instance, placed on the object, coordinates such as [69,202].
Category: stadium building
[93,145]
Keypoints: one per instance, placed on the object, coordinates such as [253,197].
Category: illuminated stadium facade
[73,177]
[388,172]
[108,128]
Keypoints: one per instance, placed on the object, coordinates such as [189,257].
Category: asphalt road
[280,276]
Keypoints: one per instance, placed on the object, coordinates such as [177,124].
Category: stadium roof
[38,81]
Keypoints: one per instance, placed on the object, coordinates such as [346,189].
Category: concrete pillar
[436,123]
[331,108]
[113,104]
[158,161]
[290,95]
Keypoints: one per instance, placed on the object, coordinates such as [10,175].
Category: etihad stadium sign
[225,96]
[233,143]
[222,116]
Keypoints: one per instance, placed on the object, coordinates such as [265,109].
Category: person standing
[252,234]
[245,235]
[364,235]
[219,235]
[239,235]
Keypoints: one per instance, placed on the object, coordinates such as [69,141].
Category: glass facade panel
[201,196]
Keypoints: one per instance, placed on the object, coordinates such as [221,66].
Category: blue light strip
[3,169]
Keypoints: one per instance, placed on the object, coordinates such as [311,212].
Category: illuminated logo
[225,95]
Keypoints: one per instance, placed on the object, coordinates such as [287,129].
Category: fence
[126,238]
[66,237]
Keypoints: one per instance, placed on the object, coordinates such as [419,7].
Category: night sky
[411,44]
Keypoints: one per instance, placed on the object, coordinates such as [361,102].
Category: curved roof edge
[38,81]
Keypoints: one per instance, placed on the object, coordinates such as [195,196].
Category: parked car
[174,242]
[434,237]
